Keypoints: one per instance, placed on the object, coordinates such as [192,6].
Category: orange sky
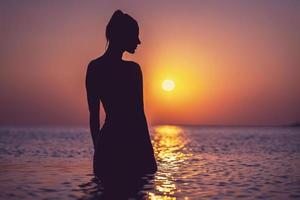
[232,63]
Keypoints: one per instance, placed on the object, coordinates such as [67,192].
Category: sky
[232,62]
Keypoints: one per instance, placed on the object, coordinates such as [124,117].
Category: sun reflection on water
[169,143]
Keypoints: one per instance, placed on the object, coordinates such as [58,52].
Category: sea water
[194,162]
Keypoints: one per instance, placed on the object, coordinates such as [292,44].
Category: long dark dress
[123,146]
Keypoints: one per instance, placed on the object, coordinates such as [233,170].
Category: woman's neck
[114,53]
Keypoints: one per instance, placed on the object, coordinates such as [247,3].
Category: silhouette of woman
[123,145]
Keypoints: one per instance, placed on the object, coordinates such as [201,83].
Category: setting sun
[168,85]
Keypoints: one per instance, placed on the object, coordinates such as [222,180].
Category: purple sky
[244,53]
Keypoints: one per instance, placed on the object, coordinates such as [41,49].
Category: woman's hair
[120,26]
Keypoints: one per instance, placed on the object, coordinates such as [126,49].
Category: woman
[123,146]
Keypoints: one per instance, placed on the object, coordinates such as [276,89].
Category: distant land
[292,124]
[295,124]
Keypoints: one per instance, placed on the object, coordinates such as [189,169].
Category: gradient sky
[233,62]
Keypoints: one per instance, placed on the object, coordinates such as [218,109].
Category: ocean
[194,162]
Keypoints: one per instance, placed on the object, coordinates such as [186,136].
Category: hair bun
[117,13]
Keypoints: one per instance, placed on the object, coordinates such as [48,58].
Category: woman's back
[125,132]
[119,87]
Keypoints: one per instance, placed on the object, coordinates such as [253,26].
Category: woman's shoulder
[95,62]
[95,65]
[133,66]
[132,63]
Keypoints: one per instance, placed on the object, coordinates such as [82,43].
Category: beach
[194,162]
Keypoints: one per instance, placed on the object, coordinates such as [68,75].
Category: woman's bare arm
[93,98]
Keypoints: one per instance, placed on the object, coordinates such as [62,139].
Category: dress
[123,147]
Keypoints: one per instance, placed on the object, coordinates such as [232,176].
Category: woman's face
[132,41]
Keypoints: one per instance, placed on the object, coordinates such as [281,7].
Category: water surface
[193,163]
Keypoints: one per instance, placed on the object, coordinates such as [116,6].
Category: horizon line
[294,124]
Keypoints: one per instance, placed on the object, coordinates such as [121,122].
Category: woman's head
[122,31]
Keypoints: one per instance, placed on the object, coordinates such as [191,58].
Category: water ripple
[193,163]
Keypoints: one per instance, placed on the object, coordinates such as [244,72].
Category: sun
[168,85]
